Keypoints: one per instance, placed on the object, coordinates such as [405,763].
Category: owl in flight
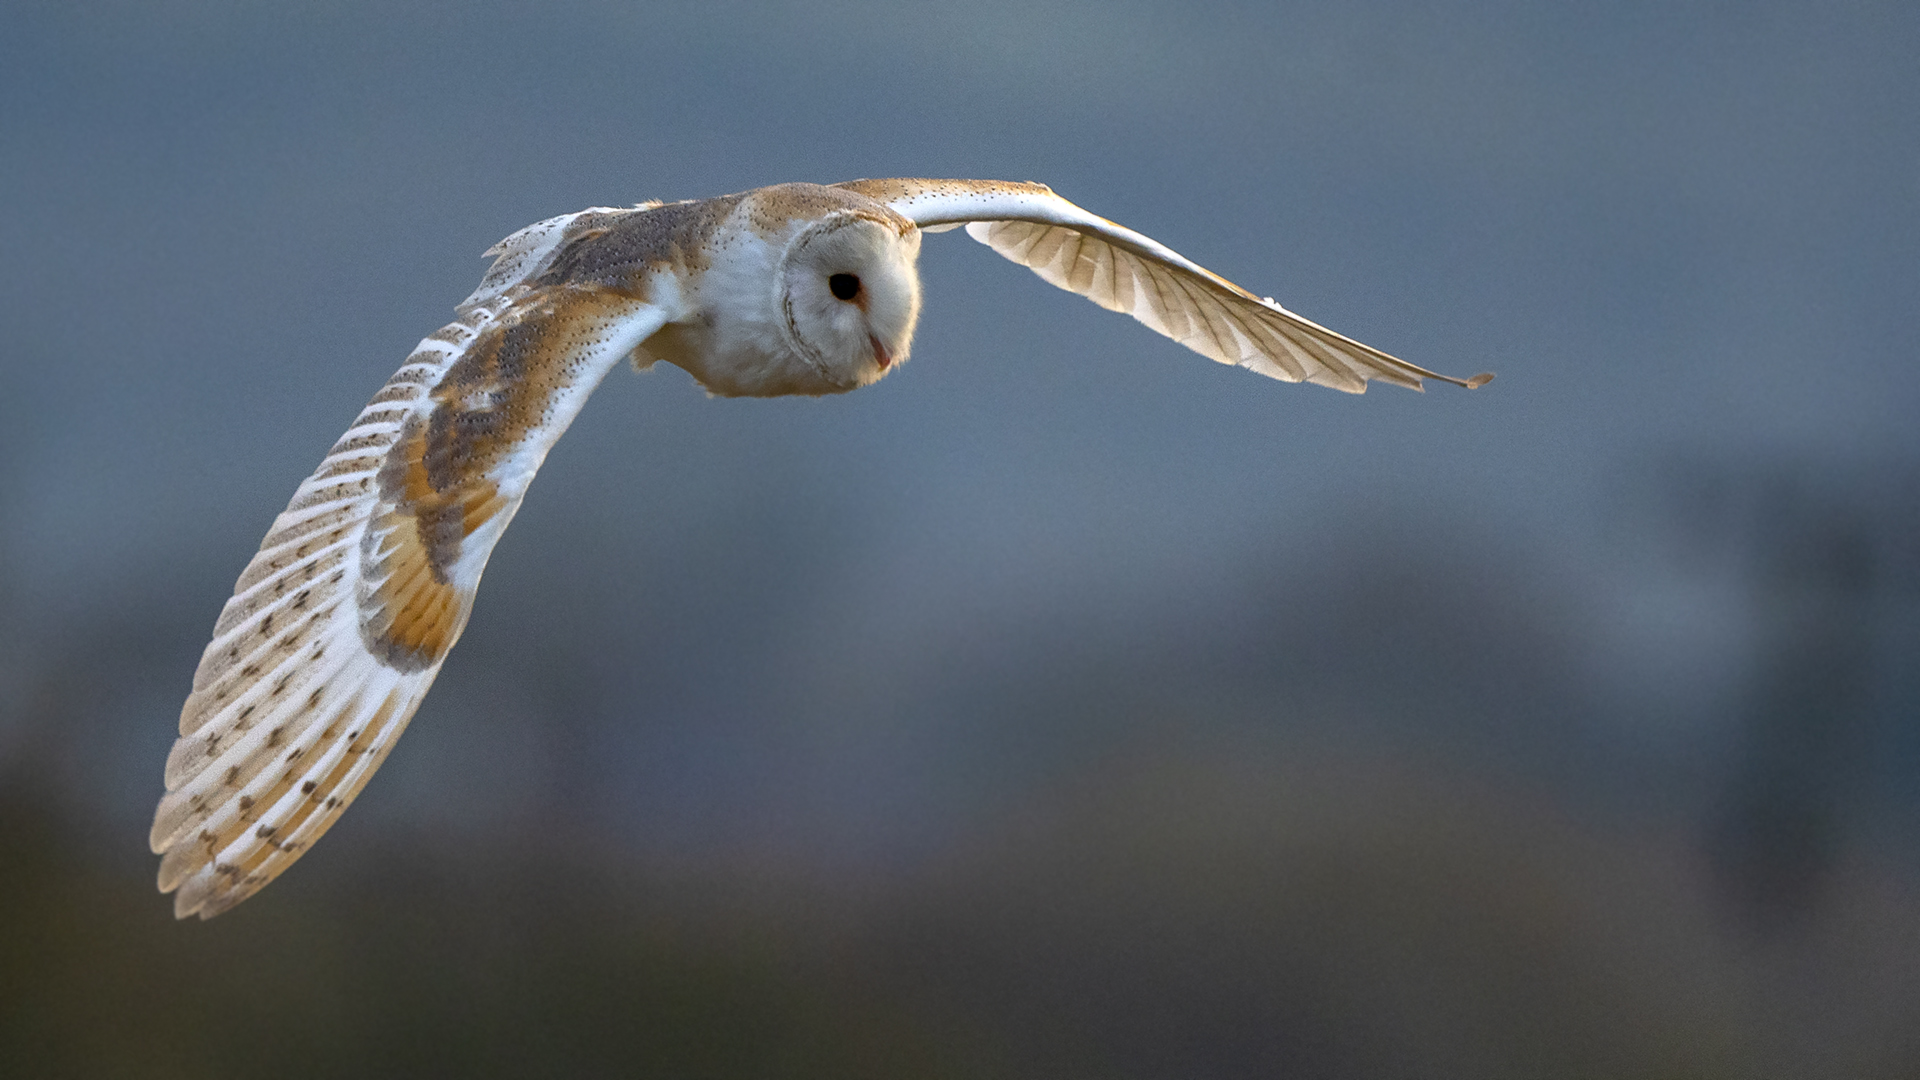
[338,626]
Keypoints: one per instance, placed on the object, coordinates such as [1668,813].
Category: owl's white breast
[731,332]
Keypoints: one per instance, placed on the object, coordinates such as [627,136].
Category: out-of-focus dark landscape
[1065,705]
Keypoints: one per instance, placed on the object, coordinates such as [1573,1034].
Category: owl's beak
[880,354]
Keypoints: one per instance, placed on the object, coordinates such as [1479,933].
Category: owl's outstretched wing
[338,626]
[1121,270]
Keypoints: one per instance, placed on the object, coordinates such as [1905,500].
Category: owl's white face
[850,295]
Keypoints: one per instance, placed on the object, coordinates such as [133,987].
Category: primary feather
[341,622]
[1123,271]
[290,710]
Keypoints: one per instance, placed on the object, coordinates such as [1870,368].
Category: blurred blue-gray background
[1065,705]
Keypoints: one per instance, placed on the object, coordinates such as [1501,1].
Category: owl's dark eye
[844,286]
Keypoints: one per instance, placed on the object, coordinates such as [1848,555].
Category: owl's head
[850,294]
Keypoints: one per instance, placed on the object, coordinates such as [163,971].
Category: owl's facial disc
[852,295]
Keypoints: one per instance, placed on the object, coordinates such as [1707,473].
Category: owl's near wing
[339,624]
[1121,270]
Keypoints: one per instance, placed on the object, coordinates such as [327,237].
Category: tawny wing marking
[1121,270]
[340,623]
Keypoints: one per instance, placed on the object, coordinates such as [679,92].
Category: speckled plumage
[339,625]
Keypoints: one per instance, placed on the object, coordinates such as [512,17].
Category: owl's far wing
[338,626]
[1121,270]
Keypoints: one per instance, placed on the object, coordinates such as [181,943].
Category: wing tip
[1473,383]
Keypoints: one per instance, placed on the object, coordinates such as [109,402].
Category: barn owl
[340,623]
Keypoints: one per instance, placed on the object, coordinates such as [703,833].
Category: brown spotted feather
[339,625]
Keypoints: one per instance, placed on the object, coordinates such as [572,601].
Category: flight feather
[1124,271]
[340,623]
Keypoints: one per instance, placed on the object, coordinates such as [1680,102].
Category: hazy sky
[1661,224]
[1672,229]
